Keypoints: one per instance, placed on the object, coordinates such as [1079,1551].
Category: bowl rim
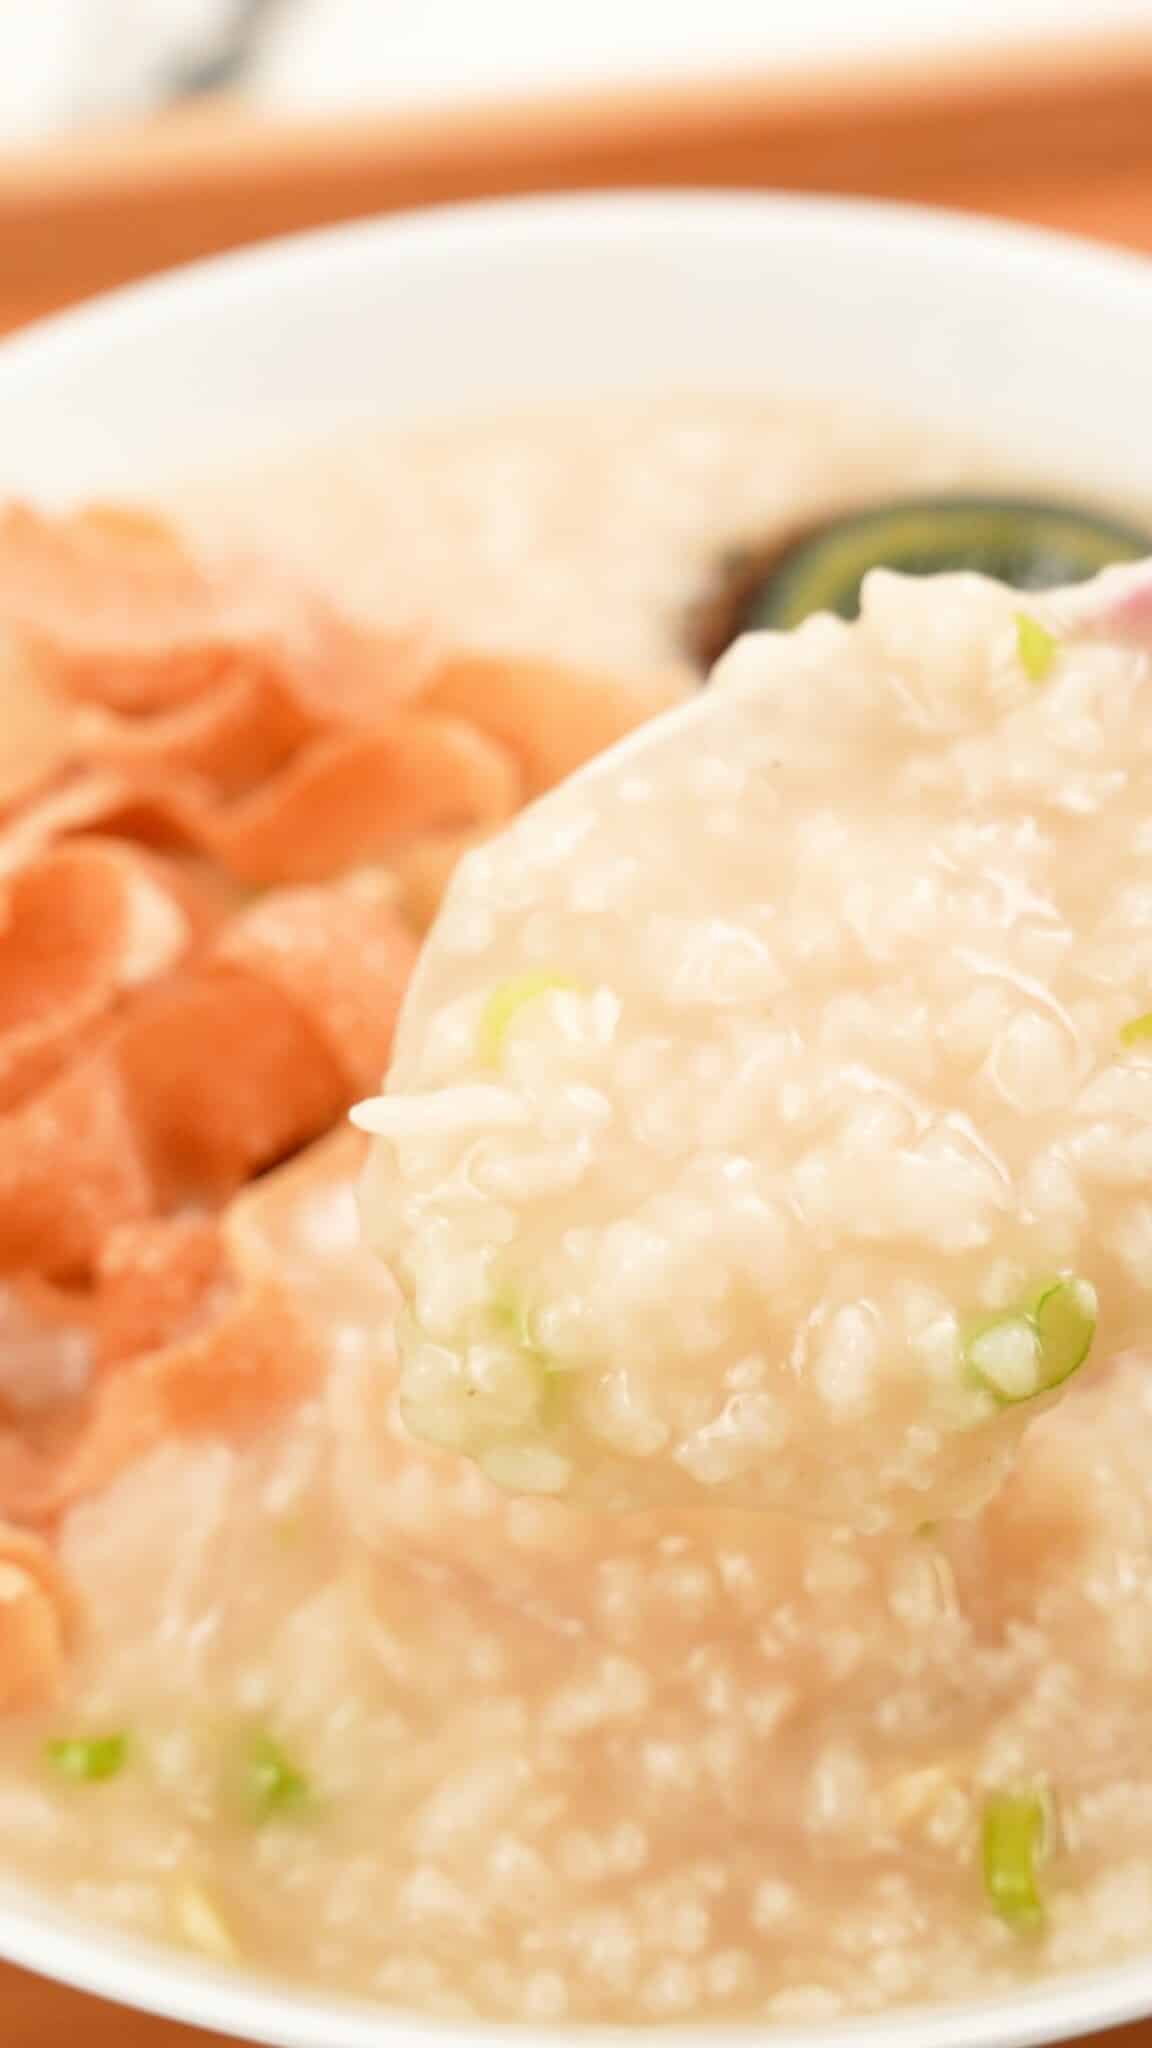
[61,1944]
[281,261]
[252,2007]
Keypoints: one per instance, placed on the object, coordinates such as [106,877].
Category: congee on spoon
[760,1126]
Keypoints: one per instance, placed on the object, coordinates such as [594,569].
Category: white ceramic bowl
[1038,345]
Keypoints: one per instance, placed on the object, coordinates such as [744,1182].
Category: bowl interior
[1036,346]
[1035,343]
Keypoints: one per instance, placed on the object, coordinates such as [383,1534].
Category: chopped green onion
[503,1005]
[272,1783]
[1005,1357]
[1033,1350]
[513,1317]
[1015,1831]
[1036,647]
[1137,1030]
[88,1760]
[1065,1318]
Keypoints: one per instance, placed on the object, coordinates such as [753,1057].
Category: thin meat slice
[150,1084]
[160,809]
[118,611]
[351,800]
[340,803]
[80,927]
[178,731]
[198,1328]
[237,1374]
[72,1168]
[111,604]
[424,868]
[231,736]
[100,802]
[224,1076]
[245,1363]
[37,725]
[37,1621]
[156,1280]
[550,715]
[342,955]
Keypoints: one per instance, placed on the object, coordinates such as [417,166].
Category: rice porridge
[690,1556]
[588,531]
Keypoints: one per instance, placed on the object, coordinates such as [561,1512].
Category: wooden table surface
[1064,141]
[34,2014]
[1063,138]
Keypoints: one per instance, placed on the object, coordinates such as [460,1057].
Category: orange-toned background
[39,2016]
[1061,136]
[1064,139]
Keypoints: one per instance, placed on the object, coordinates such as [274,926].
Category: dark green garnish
[88,1759]
[1028,543]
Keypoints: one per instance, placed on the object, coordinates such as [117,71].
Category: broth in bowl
[291,1678]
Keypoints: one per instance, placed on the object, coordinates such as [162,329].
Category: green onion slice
[1065,1317]
[1015,1830]
[1036,647]
[88,1759]
[513,1318]
[272,1782]
[1032,1351]
[1005,1357]
[505,1003]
